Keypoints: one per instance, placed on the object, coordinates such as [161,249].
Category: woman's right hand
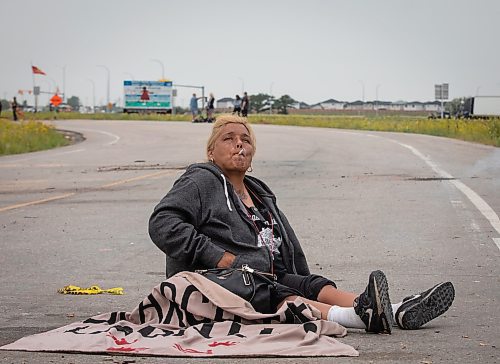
[226,261]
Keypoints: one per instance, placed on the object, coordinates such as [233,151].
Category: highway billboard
[147,96]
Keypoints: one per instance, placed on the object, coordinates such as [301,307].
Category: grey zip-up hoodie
[201,217]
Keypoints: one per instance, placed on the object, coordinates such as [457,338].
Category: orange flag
[37,70]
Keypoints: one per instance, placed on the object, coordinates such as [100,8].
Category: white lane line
[480,204]
[115,137]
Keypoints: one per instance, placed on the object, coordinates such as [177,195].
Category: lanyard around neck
[271,246]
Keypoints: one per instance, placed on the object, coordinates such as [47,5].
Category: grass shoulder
[32,135]
[28,136]
[478,131]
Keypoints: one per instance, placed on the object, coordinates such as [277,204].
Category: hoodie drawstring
[226,193]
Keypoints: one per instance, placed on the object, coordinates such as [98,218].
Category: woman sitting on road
[217,216]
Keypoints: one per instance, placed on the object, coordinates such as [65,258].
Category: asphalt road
[423,209]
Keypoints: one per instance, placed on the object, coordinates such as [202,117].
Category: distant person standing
[210,106]
[193,106]
[245,104]
[237,105]
[14,107]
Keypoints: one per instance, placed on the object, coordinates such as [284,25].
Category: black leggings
[297,285]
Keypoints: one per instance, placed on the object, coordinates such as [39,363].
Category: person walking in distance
[237,105]
[193,106]
[245,104]
[210,107]
[14,107]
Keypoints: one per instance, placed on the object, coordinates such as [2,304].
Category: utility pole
[271,98]
[376,99]
[93,94]
[64,82]
[362,96]
[108,106]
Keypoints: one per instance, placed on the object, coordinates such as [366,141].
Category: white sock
[346,317]
[395,307]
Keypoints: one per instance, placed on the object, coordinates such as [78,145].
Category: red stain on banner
[191,351]
[222,343]
[121,341]
[126,349]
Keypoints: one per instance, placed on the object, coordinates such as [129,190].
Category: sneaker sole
[383,302]
[434,304]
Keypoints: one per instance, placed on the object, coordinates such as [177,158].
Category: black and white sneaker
[419,309]
[374,306]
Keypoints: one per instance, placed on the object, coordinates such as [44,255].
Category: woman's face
[227,149]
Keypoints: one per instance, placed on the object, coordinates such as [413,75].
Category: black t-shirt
[269,236]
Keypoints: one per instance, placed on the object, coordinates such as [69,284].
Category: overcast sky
[312,50]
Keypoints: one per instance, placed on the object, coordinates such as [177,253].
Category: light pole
[64,82]
[107,88]
[93,94]
[477,90]
[362,90]
[271,98]
[162,67]
[130,75]
[376,98]
[362,94]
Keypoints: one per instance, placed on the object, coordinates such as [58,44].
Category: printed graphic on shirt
[268,236]
[270,241]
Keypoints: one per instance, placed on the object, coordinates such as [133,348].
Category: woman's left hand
[227,260]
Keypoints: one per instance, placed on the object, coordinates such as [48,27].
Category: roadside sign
[445,91]
[441,91]
[55,100]
[148,95]
[437,92]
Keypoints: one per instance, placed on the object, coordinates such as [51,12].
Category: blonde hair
[222,121]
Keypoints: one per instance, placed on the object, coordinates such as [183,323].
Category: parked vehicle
[437,115]
[485,107]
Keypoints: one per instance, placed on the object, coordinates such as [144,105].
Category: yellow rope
[90,290]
